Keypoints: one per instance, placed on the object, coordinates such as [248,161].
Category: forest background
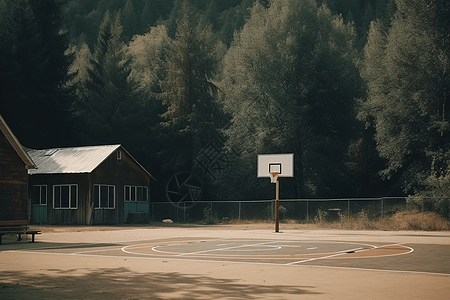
[358,90]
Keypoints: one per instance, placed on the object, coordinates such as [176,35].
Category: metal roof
[69,160]
[29,164]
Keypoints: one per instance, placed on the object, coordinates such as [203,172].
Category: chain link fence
[302,210]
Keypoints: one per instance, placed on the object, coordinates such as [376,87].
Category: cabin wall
[111,172]
[13,183]
[62,215]
[120,170]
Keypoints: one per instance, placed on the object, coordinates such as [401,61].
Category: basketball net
[273,177]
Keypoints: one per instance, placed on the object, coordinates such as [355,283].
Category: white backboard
[281,163]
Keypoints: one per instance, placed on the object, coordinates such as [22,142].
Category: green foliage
[106,102]
[193,115]
[290,81]
[407,75]
[33,62]
[145,74]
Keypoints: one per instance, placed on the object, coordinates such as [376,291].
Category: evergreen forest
[358,90]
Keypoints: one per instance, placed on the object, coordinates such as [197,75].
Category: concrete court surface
[97,265]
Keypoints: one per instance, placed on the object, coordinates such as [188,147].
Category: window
[119,155]
[65,196]
[136,193]
[104,196]
[39,196]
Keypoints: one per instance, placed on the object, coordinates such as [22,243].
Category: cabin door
[39,214]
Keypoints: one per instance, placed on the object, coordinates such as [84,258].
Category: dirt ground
[61,264]
[158,225]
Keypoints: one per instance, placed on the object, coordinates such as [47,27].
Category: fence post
[382,207]
[239,216]
[307,211]
[348,208]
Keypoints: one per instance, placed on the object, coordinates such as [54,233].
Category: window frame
[40,186]
[70,201]
[108,186]
[133,193]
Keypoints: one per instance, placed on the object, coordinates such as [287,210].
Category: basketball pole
[277,204]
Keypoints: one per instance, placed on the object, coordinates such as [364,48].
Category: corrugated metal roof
[69,160]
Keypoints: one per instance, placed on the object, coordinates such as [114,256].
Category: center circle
[248,248]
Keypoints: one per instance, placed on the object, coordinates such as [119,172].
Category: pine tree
[35,98]
[129,21]
[108,97]
[149,16]
[192,115]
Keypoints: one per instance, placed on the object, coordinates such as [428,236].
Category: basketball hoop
[273,176]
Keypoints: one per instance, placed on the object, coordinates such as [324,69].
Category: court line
[378,247]
[324,257]
[124,249]
[361,249]
[235,262]
[356,250]
[227,248]
[137,246]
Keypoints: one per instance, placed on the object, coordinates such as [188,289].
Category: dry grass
[403,220]
[406,220]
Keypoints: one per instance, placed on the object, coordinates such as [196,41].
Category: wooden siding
[13,183]
[110,172]
[118,172]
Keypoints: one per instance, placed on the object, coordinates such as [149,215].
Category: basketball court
[204,263]
[281,252]
[226,262]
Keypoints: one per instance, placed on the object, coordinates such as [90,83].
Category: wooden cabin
[14,166]
[87,185]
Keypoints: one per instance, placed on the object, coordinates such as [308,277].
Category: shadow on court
[26,245]
[121,283]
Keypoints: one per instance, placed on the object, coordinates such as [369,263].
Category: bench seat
[16,227]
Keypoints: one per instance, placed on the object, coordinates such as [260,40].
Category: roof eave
[29,163]
[151,176]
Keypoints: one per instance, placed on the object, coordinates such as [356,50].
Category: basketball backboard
[283,164]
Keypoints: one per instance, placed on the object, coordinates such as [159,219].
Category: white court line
[378,247]
[228,248]
[324,257]
[356,250]
[234,262]
[137,246]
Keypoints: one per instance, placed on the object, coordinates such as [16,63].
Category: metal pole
[277,203]
[348,208]
[239,217]
[307,211]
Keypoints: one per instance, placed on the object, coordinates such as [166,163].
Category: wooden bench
[16,227]
[33,233]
